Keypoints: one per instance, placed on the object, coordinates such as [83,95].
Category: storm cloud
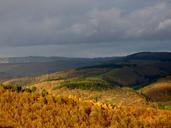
[86,22]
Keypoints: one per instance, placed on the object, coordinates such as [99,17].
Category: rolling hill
[95,82]
[159,91]
[152,56]
[124,92]
[32,66]
[128,71]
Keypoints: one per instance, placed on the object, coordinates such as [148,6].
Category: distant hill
[136,70]
[131,72]
[32,66]
[152,56]
[38,59]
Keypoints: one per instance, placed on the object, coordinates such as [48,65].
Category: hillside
[154,65]
[32,66]
[110,82]
[152,56]
[159,91]
[130,73]
[36,110]
[116,93]
[89,88]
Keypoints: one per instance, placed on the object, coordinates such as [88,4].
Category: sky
[84,28]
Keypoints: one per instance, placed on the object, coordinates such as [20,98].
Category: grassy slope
[81,84]
[26,81]
[101,79]
[134,71]
[85,81]
[159,91]
[123,75]
[91,89]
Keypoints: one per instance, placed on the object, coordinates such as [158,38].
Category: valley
[134,86]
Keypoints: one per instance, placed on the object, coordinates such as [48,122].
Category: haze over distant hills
[133,70]
[28,66]
[163,56]
[37,59]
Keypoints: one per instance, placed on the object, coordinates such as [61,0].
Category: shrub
[16,88]
[30,110]
[44,93]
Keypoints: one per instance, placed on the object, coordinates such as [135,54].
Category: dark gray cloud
[75,22]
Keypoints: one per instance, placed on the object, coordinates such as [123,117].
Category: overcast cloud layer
[144,24]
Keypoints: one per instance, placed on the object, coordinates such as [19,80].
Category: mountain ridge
[124,72]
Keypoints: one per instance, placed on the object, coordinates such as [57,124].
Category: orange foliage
[30,110]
